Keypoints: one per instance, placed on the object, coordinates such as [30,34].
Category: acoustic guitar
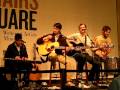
[103,51]
[46,48]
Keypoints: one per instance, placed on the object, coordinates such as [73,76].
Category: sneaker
[70,84]
[92,84]
[86,86]
[80,85]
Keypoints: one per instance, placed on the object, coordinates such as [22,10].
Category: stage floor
[44,85]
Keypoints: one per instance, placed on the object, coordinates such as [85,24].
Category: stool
[52,67]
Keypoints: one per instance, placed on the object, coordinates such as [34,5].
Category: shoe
[92,85]
[79,85]
[70,84]
[86,86]
[54,88]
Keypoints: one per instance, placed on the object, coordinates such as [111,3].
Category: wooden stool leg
[52,67]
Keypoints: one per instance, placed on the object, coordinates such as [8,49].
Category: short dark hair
[106,28]
[81,25]
[18,36]
[58,25]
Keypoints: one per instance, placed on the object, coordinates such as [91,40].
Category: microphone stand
[65,58]
[64,73]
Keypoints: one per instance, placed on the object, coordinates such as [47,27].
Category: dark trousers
[82,58]
[94,73]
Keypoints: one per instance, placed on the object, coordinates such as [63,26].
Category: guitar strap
[85,40]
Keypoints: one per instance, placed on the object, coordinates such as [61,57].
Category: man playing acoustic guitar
[49,45]
[103,44]
[82,40]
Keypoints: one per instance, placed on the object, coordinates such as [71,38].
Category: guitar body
[78,44]
[102,54]
[46,48]
[72,52]
[104,50]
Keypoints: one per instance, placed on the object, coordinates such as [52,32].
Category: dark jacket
[61,40]
[12,51]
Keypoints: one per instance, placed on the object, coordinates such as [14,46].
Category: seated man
[103,44]
[82,52]
[48,43]
[16,52]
